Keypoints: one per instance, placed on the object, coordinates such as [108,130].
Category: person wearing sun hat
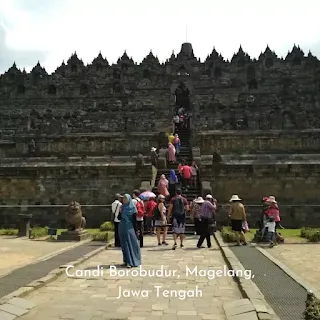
[263,217]
[237,214]
[273,210]
[195,212]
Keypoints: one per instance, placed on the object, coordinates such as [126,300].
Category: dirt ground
[302,259]
[16,252]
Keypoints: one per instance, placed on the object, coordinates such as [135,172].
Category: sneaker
[165,243]
[174,247]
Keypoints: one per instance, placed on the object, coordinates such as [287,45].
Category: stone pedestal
[24,224]
[74,235]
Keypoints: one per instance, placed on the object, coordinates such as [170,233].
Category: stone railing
[147,185]
[52,215]
[259,141]
[292,215]
[94,144]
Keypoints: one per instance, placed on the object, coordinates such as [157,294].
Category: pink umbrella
[147,195]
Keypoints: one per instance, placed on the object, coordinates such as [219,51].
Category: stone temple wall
[258,141]
[293,182]
[60,182]
[242,107]
[85,144]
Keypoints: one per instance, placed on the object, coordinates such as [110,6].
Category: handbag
[245,226]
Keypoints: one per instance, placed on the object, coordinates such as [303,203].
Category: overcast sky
[50,30]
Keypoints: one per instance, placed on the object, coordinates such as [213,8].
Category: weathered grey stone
[22,303]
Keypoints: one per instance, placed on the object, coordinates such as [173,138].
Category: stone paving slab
[86,297]
[17,252]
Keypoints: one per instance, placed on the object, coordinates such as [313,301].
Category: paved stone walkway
[93,298]
[17,252]
[302,259]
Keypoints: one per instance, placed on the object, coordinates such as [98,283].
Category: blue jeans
[271,236]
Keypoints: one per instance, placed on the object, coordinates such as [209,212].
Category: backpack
[178,207]
[156,213]
[140,208]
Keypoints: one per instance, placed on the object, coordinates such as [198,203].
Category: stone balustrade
[292,215]
[257,141]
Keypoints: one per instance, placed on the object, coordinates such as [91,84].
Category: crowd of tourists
[135,214]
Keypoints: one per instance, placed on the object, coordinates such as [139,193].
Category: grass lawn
[290,235]
[41,233]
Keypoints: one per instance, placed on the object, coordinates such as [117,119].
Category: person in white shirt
[140,215]
[176,122]
[271,225]
[116,210]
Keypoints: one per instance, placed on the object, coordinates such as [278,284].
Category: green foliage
[313,235]
[312,311]
[8,232]
[39,232]
[107,226]
[228,235]
[100,235]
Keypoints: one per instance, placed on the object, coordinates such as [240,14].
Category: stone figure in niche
[288,121]
[251,99]
[241,123]
[274,120]
[182,95]
[216,156]
[74,218]
[217,123]
[32,147]
[225,81]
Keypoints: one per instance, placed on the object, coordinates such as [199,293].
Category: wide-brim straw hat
[199,200]
[272,199]
[235,197]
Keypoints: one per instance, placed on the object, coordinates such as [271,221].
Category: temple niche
[251,78]
[182,96]
[52,89]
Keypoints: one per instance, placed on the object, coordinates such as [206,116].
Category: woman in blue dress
[127,233]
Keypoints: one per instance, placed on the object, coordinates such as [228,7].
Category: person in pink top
[171,153]
[163,186]
[273,211]
[176,143]
[186,172]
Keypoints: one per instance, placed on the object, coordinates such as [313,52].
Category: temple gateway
[76,134]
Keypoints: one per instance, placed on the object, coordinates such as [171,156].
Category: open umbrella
[147,195]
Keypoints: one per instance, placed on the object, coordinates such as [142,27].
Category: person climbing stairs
[185,155]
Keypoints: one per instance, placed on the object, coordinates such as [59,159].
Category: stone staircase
[191,191]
